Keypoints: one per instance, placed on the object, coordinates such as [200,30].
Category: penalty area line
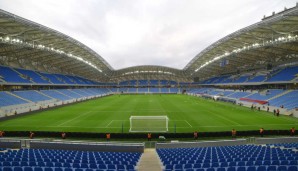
[188,123]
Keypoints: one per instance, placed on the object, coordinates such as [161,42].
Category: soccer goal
[149,124]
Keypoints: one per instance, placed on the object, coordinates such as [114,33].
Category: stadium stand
[67,160]
[142,90]
[229,158]
[23,76]
[7,99]
[143,83]
[31,95]
[288,100]
[33,76]
[174,90]
[241,79]
[285,145]
[10,75]
[132,90]
[259,78]
[164,90]
[154,90]
[56,94]
[153,82]
[266,95]
[286,74]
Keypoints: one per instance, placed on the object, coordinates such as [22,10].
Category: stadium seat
[292,168]
[38,169]
[7,168]
[251,168]
[17,169]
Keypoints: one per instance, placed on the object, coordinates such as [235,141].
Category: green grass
[186,112]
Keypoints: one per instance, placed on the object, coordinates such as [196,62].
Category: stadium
[233,107]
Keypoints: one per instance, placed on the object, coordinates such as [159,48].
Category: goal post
[149,124]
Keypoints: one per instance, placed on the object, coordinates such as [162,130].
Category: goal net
[148,123]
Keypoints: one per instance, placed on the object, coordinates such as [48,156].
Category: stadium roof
[30,45]
[270,41]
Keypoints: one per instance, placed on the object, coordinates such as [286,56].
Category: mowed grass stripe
[186,114]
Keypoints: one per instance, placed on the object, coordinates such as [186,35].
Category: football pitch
[185,113]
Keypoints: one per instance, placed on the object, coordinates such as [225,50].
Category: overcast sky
[146,32]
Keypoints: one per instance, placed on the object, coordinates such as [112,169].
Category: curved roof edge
[265,21]
[57,33]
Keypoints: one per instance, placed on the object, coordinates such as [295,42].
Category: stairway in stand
[150,161]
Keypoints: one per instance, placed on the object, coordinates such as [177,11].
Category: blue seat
[197,165]
[38,169]
[206,165]
[58,164]
[17,169]
[200,169]
[130,167]
[14,163]
[188,166]
[120,167]
[49,164]
[261,168]
[178,166]
[102,166]
[67,169]
[251,168]
[48,169]
[6,163]
[231,169]
[111,167]
[210,169]
[249,163]
[28,169]
[292,168]
[58,169]
[84,165]
[32,164]
[170,166]
[76,165]
[241,163]
[41,164]
[215,165]
[189,170]
[267,162]
[221,169]
[275,162]
[258,162]
[282,168]
[293,162]
[284,162]
[241,168]
[232,164]
[224,164]
[92,166]
[7,168]
[271,168]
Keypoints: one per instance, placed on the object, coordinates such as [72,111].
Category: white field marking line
[188,123]
[109,123]
[113,121]
[74,118]
[224,118]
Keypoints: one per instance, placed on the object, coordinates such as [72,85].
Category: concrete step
[150,161]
